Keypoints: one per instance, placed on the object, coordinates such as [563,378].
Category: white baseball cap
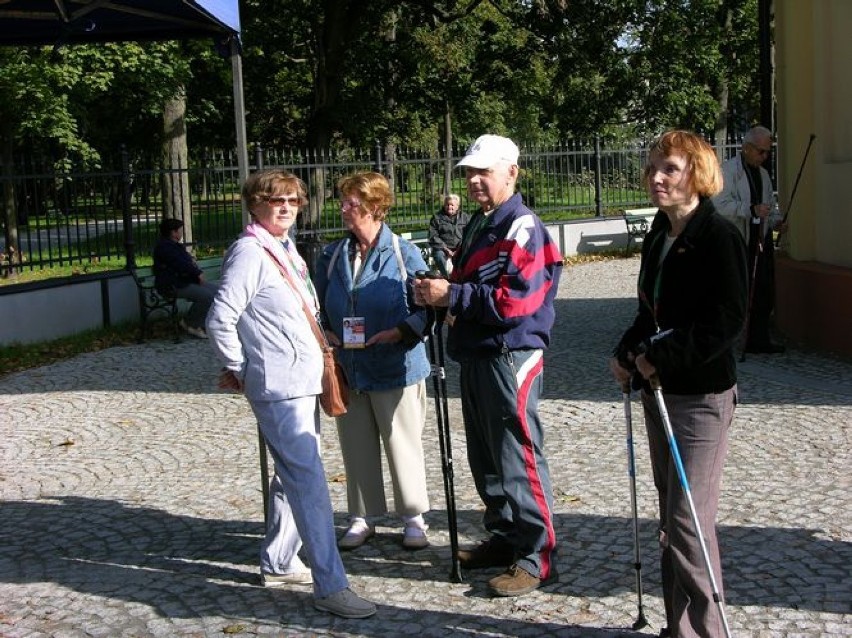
[489,150]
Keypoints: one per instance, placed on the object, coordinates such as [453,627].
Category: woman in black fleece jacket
[692,305]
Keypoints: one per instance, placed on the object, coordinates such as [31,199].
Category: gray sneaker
[346,604]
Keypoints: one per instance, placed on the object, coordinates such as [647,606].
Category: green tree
[697,64]
[35,105]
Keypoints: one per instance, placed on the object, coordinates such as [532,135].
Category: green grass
[18,357]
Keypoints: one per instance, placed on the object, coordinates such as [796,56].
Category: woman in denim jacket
[364,282]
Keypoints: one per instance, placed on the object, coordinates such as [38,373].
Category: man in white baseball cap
[489,150]
[500,312]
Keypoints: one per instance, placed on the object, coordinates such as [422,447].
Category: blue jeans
[440,259]
[299,502]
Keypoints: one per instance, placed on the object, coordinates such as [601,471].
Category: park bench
[152,301]
[638,222]
[420,238]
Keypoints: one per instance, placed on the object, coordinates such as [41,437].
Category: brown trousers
[700,424]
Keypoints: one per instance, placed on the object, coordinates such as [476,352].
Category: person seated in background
[175,272]
[445,232]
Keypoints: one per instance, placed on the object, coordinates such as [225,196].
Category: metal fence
[72,218]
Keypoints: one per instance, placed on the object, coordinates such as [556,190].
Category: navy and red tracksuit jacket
[503,286]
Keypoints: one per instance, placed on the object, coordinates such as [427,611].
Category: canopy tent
[60,22]
[82,21]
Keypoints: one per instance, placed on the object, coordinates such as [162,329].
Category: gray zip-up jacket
[259,330]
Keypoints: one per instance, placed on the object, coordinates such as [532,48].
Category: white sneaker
[198,333]
[281,580]
[346,604]
[414,537]
[357,534]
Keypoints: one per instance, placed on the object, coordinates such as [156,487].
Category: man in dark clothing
[175,272]
[445,232]
[746,200]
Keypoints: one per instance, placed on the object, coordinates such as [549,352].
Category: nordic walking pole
[631,471]
[442,413]
[681,473]
[795,186]
[758,250]
[264,474]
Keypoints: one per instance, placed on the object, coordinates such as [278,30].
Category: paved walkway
[131,501]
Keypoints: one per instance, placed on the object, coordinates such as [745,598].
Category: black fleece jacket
[700,294]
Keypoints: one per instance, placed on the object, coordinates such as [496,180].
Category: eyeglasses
[278,200]
[349,203]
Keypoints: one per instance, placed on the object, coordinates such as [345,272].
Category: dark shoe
[490,553]
[765,348]
[346,604]
[665,633]
[517,581]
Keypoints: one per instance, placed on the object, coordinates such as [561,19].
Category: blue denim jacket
[385,298]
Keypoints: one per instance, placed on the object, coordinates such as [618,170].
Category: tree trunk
[176,195]
[390,145]
[766,13]
[333,30]
[10,257]
[720,132]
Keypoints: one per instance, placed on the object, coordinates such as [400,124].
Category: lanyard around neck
[652,305]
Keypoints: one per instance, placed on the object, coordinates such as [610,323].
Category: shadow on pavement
[153,557]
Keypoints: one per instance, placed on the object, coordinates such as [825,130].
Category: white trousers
[394,419]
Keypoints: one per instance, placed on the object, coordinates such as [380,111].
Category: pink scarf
[289,259]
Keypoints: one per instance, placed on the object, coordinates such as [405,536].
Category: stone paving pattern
[131,502]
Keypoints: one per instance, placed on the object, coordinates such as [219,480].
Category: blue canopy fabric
[46,22]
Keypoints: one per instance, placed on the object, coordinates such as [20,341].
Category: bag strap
[315,327]
[333,259]
[399,260]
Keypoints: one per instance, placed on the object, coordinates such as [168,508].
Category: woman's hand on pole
[622,375]
[645,367]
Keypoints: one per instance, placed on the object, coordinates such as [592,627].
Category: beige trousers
[393,419]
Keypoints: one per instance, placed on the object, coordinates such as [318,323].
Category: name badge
[354,332]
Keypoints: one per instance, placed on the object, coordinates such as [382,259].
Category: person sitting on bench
[176,273]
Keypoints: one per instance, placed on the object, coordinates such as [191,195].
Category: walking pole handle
[437,314]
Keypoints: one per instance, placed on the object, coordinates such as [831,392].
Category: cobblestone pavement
[131,501]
